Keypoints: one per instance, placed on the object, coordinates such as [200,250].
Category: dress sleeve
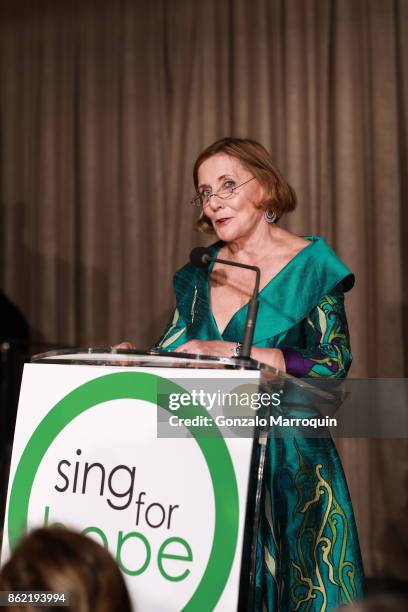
[326,352]
[174,335]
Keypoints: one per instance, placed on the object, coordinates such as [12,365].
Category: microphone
[201,257]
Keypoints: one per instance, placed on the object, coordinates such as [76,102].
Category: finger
[124,345]
[181,349]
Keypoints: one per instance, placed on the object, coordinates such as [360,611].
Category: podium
[156,457]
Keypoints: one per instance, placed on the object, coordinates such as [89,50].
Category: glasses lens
[197,200]
[226,193]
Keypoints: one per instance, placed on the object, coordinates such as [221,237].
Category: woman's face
[236,216]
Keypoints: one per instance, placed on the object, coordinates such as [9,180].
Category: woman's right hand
[124,345]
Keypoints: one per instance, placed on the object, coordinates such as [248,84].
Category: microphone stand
[253,305]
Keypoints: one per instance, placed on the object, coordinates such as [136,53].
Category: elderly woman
[308,555]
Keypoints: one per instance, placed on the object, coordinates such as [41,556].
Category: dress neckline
[217,247]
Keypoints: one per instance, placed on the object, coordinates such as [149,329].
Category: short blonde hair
[281,197]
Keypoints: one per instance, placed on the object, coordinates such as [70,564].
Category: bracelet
[237,349]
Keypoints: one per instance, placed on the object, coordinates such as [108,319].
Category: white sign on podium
[171,510]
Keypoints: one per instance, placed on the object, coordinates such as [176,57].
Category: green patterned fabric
[308,553]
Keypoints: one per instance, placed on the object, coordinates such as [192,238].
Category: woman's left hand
[217,348]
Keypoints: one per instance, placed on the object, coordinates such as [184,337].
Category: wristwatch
[237,349]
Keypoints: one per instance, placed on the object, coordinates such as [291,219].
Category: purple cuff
[296,364]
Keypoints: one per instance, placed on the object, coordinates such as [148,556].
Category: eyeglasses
[225,192]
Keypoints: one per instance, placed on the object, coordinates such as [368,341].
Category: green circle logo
[141,386]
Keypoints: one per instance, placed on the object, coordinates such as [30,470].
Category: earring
[270,216]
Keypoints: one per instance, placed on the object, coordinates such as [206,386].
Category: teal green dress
[308,553]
